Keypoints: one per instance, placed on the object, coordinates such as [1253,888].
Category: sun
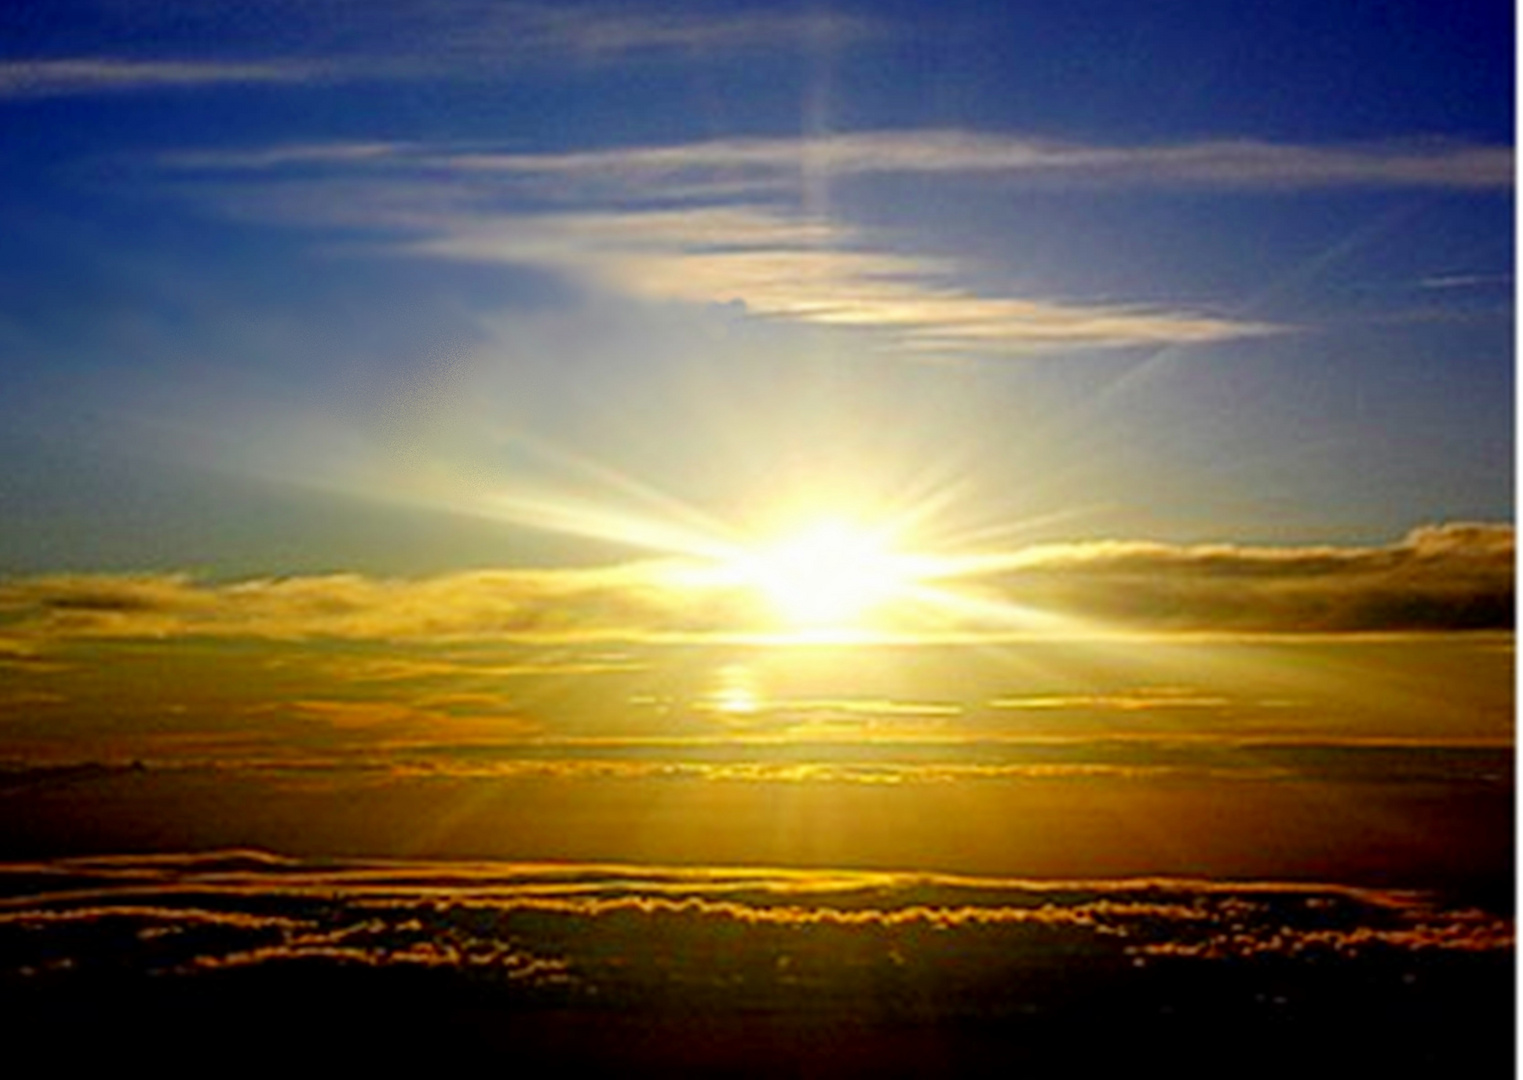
[830,576]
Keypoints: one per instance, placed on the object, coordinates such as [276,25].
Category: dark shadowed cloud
[371,907]
[651,967]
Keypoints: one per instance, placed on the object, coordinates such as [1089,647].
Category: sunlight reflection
[735,692]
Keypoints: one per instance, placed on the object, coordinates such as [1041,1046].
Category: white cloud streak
[812,272]
[709,222]
[462,41]
[1229,163]
[763,163]
[610,30]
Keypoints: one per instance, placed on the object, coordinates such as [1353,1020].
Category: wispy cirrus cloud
[764,162]
[385,43]
[1227,163]
[726,220]
[104,74]
[603,30]
[773,261]
[780,266]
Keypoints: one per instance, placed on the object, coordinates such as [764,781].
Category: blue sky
[402,288]
[1036,440]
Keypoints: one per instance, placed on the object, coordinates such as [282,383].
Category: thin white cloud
[765,163]
[287,155]
[771,261]
[809,271]
[716,221]
[612,30]
[1228,163]
[86,75]
[471,41]
[452,39]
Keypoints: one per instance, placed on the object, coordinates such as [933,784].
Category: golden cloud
[1442,577]
[1456,576]
[630,600]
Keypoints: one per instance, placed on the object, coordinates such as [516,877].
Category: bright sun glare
[830,576]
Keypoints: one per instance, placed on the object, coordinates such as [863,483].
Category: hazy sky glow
[948,452]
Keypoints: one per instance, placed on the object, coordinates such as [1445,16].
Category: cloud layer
[256,941]
[1448,577]
[269,909]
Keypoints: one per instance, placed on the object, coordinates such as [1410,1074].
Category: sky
[312,287]
[818,398]
[924,530]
